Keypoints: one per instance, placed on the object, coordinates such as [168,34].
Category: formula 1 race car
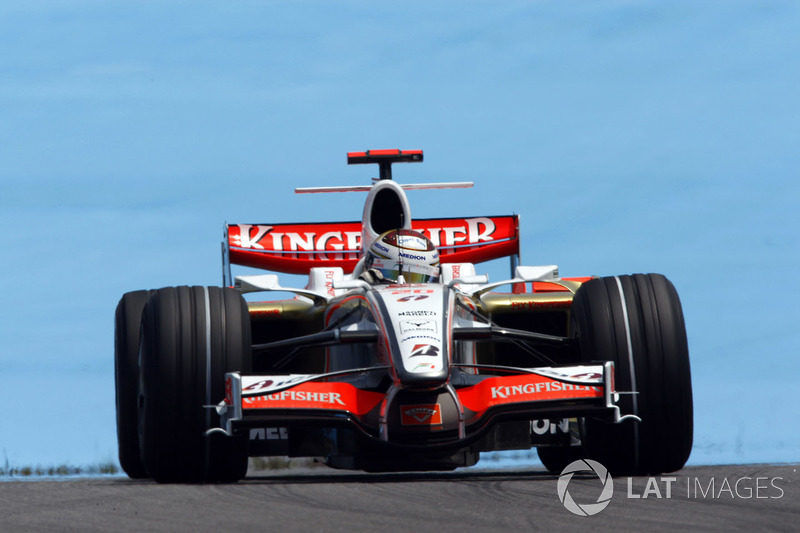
[397,355]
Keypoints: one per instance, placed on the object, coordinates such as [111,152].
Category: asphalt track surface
[707,498]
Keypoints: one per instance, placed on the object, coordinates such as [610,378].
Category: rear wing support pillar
[514,264]
[384,159]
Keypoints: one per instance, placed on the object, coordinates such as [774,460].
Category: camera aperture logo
[585,509]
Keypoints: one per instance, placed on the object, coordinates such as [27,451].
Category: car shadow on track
[335,476]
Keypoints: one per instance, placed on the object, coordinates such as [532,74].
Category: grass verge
[107,468]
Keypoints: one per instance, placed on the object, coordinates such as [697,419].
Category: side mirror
[470,280]
[264,282]
[536,273]
[524,274]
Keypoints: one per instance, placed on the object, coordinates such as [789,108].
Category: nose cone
[416,319]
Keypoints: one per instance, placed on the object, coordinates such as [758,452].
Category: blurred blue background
[631,136]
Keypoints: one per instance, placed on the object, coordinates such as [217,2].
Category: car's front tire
[191,337]
[637,322]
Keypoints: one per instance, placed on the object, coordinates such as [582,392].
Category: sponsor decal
[411,242]
[587,376]
[297,396]
[456,269]
[269,434]
[264,384]
[412,298]
[310,395]
[273,383]
[507,391]
[533,304]
[417,313]
[266,312]
[428,350]
[475,230]
[421,415]
[346,236]
[413,291]
[417,325]
[329,275]
[426,337]
[408,239]
[545,426]
[412,256]
[264,238]
[583,375]
[294,248]
[424,366]
[247,239]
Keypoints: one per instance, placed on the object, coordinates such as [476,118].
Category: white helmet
[404,252]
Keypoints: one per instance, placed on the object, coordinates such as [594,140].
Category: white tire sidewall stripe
[631,365]
[207,303]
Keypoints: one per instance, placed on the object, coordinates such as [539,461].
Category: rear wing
[296,248]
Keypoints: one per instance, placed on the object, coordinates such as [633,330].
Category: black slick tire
[191,337]
[556,458]
[637,322]
[127,322]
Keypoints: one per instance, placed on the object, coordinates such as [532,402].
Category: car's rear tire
[127,322]
[191,337]
[637,322]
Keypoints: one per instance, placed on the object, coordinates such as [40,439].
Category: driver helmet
[404,252]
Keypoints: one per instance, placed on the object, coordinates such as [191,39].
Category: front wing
[454,415]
